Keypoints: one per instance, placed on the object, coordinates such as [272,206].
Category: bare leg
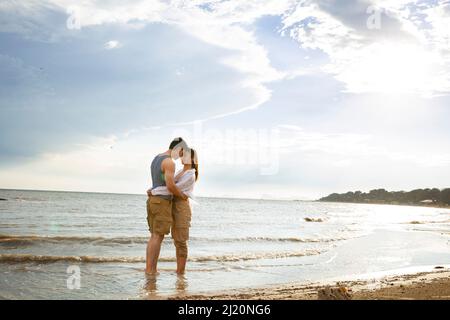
[181,252]
[181,264]
[153,249]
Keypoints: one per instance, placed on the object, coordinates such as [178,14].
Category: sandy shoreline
[434,285]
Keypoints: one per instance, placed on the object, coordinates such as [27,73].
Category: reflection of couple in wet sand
[168,207]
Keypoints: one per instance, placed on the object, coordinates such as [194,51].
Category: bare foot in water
[151,273]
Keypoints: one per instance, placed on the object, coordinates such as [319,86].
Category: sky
[290,99]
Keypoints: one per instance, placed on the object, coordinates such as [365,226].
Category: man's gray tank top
[158,179]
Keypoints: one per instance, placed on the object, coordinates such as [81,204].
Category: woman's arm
[179,175]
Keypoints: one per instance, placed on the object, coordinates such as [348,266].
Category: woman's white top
[185,184]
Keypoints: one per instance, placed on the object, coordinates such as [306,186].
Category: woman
[181,209]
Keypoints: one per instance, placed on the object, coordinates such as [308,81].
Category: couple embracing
[168,207]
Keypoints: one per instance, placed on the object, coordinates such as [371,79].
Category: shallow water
[234,243]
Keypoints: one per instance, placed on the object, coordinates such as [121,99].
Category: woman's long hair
[194,162]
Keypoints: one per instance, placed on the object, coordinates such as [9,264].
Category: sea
[69,245]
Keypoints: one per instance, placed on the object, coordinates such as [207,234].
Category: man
[159,207]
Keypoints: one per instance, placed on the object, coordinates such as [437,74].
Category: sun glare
[393,68]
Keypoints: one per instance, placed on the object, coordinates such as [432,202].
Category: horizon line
[138,194]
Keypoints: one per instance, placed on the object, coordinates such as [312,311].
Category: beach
[69,245]
[212,149]
[419,286]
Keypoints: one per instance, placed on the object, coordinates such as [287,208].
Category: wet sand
[420,286]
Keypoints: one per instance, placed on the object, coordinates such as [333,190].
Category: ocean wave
[17,240]
[256,256]
[5,258]
[31,239]
[275,239]
[428,222]
[17,258]
[30,199]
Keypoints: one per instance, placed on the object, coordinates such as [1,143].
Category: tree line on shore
[432,196]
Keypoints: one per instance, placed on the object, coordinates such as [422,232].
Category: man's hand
[184,197]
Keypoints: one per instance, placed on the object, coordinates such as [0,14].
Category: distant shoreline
[433,205]
[434,198]
[324,199]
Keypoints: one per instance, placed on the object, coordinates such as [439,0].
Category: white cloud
[223,24]
[408,58]
[364,60]
[112,44]
[347,148]
[439,33]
